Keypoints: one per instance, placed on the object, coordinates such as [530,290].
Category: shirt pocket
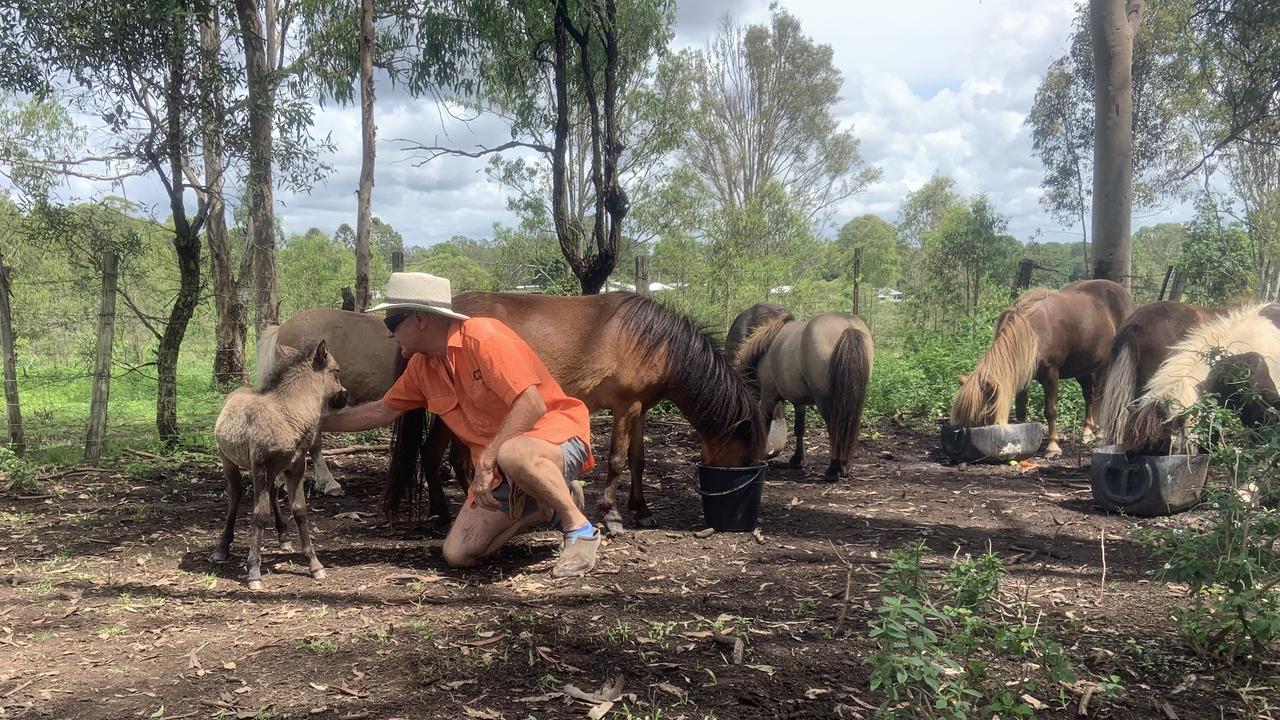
[442,404]
[485,409]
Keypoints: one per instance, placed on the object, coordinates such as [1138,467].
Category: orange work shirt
[488,367]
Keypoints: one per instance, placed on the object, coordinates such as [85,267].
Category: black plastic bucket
[991,443]
[731,496]
[1148,485]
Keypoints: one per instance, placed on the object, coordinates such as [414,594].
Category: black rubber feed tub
[991,443]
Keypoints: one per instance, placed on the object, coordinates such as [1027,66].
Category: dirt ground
[110,608]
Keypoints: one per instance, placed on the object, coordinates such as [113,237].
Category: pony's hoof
[286,546]
[832,477]
[318,574]
[1053,454]
[647,521]
[218,555]
[335,491]
[255,585]
[613,527]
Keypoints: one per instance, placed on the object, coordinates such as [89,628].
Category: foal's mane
[285,366]
[716,398]
[757,344]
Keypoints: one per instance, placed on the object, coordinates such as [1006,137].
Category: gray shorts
[572,451]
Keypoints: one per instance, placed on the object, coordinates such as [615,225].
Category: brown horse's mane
[285,366]
[716,400]
[757,344]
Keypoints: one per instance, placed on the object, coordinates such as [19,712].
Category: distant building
[889,294]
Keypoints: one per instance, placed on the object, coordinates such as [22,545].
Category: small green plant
[940,638]
[16,473]
[317,645]
[618,632]
[422,628]
[111,631]
[1230,561]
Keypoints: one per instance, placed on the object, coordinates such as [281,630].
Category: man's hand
[482,485]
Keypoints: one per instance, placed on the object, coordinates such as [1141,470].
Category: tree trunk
[261,198]
[642,274]
[368,133]
[102,361]
[1113,24]
[228,356]
[186,243]
[567,233]
[17,440]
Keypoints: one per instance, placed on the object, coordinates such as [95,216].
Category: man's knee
[458,555]
[522,456]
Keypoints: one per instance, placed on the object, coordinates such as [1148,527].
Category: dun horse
[746,323]
[623,353]
[1141,344]
[1048,336]
[370,363]
[1155,420]
[825,362]
[269,432]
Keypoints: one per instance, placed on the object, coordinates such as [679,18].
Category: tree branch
[435,151]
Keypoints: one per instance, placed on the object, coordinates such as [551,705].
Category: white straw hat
[418,291]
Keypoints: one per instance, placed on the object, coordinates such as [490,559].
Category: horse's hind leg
[1050,382]
[263,480]
[282,525]
[325,483]
[298,505]
[1087,385]
[235,490]
[797,457]
[619,441]
[644,517]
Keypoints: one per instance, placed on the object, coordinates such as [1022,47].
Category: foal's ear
[321,358]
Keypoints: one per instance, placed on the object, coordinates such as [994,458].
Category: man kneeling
[529,441]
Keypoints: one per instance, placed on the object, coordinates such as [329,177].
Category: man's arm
[361,417]
[525,412]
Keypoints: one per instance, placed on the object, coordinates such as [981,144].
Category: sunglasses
[393,321]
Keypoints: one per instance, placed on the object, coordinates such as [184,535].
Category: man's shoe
[578,556]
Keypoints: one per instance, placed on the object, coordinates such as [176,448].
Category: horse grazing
[369,359]
[1046,335]
[825,362]
[1141,344]
[1155,421]
[269,431]
[623,353]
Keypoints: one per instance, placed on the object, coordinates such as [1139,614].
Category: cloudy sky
[940,86]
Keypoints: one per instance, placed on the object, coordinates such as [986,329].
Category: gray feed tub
[1147,484]
[991,443]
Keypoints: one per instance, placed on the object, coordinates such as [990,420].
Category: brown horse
[623,353]
[269,431]
[1047,335]
[1155,423]
[825,361]
[1141,344]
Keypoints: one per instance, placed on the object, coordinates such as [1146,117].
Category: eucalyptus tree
[764,112]
[135,64]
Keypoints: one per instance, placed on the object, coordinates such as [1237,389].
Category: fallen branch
[350,449]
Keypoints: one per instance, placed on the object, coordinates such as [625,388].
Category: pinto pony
[621,352]
[1141,344]
[269,431]
[1047,335]
[825,362]
[1155,420]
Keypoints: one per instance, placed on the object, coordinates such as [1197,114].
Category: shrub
[16,473]
[942,636]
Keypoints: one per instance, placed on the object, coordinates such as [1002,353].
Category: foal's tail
[848,373]
[1006,368]
[1119,389]
[268,349]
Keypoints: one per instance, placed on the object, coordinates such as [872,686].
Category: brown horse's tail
[265,354]
[402,472]
[1007,367]
[848,373]
[1119,388]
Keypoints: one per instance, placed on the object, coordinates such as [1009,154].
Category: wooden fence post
[1022,280]
[642,275]
[857,276]
[17,440]
[102,362]
[1164,286]
[397,261]
[1175,292]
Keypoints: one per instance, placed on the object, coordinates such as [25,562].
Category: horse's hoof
[647,521]
[1052,454]
[218,555]
[613,527]
[286,546]
[318,574]
[831,477]
[335,491]
[255,585]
